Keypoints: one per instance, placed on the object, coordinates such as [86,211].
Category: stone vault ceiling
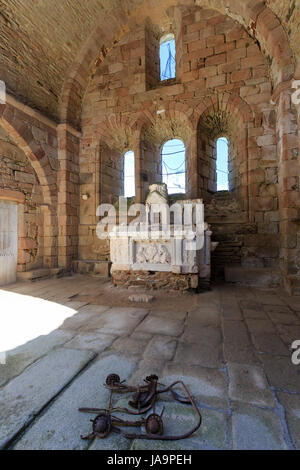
[41,39]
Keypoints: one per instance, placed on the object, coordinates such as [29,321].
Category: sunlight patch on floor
[23,318]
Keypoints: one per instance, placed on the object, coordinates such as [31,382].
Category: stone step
[35,274]
[223,195]
[42,273]
[292,284]
[93,267]
[257,277]
[232,218]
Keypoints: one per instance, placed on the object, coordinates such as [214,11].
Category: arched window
[129,174]
[173,166]
[167,57]
[222,164]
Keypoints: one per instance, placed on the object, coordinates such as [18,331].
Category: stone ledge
[261,277]
[94,267]
[37,274]
[292,284]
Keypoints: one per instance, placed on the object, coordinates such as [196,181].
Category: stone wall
[222,88]
[18,176]
[28,172]
[158,280]
[69,53]
[68,196]
[234,74]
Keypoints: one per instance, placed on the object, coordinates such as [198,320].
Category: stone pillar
[289,195]
[138,175]
[49,228]
[68,195]
[192,169]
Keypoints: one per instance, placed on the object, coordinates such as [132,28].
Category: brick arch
[34,153]
[259,20]
[119,132]
[40,163]
[175,113]
[155,130]
[240,117]
[238,113]
[227,102]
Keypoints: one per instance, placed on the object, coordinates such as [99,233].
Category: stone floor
[230,345]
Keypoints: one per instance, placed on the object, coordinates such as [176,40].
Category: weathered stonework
[71,57]
[157,280]
[224,89]
[235,65]
[28,177]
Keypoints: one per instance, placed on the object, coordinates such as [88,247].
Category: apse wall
[222,87]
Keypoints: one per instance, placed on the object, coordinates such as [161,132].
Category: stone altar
[157,254]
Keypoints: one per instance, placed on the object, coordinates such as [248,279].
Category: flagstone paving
[231,346]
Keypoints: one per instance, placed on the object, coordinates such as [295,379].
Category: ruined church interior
[108,108]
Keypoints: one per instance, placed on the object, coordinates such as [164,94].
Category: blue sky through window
[173,166]
[129,174]
[167,59]
[222,164]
